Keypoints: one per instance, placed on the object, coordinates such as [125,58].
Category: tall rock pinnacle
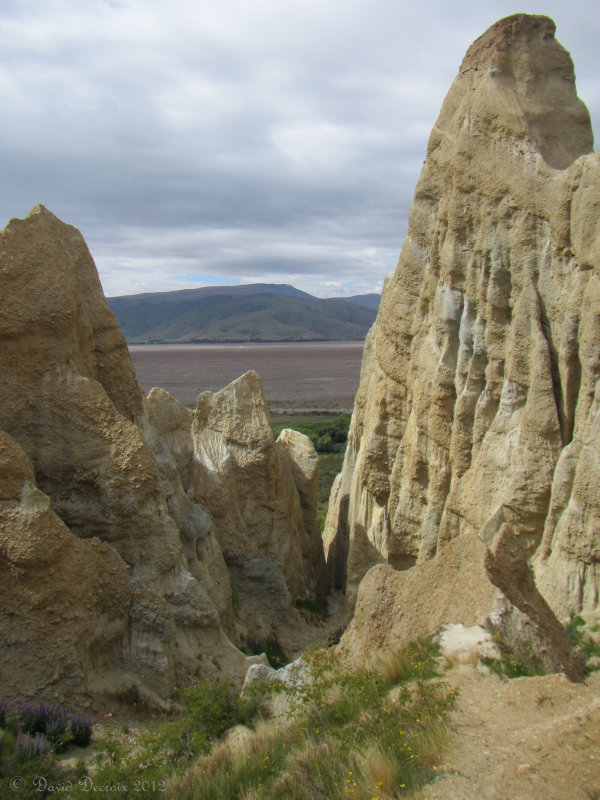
[479,400]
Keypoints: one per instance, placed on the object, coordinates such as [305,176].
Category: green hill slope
[250,313]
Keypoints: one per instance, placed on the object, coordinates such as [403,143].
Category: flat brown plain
[295,375]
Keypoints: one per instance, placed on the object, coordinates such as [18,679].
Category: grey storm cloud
[249,140]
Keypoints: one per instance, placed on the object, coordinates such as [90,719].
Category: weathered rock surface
[479,398]
[466,583]
[69,397]
[65,602]
[261,493]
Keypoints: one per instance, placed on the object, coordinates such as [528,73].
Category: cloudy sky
[236,141]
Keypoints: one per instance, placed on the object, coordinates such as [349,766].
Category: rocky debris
[70,399]
[478,404]
[293,674]
[261,495]
[462,645]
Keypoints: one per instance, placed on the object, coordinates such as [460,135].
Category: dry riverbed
[295,375]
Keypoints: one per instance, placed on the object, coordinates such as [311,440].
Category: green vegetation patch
[360,733]
[269,645]
[328,432]
[318,607]
[511,664]
[581,641]
[419,660]
[351,734]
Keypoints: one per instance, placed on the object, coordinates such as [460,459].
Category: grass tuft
[347,734]
[417,661]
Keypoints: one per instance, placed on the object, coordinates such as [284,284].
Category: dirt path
[521,739]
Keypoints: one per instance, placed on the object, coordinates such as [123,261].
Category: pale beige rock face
[466,583]
[478,398]
[303,464]
[262,497]
[173,423]
[69,397]
[65,602]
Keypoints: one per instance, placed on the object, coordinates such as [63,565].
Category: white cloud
[245,140]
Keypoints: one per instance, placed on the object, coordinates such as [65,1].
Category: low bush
[28,746]
[351,734]
[54,723]
[317,606]
[81,729]
[418,660]
[27,767]
[581,641]
[270,646]
[513,665]
[213,707]
[328,432]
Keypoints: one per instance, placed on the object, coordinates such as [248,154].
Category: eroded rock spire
[478,402]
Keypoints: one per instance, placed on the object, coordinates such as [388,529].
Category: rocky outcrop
[65,602]
[468,583]
[70,399]
[478,404]
[261,494]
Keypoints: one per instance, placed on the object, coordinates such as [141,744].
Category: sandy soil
[295,376]
[521,739]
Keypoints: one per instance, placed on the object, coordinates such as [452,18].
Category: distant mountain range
[258,312]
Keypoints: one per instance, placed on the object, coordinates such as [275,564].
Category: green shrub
[349,734]
[418,660]
[81,729]
[317,606]
[512,665]
[28,746]
[581,640]
[326,431]
[270,646]
[51,721]
[26,758]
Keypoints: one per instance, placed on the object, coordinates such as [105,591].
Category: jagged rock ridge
[478,407]
[261,494]
[97,533]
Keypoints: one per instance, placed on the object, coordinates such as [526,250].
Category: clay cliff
[65,602]
[99,538]
[478,408]
[261,495]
